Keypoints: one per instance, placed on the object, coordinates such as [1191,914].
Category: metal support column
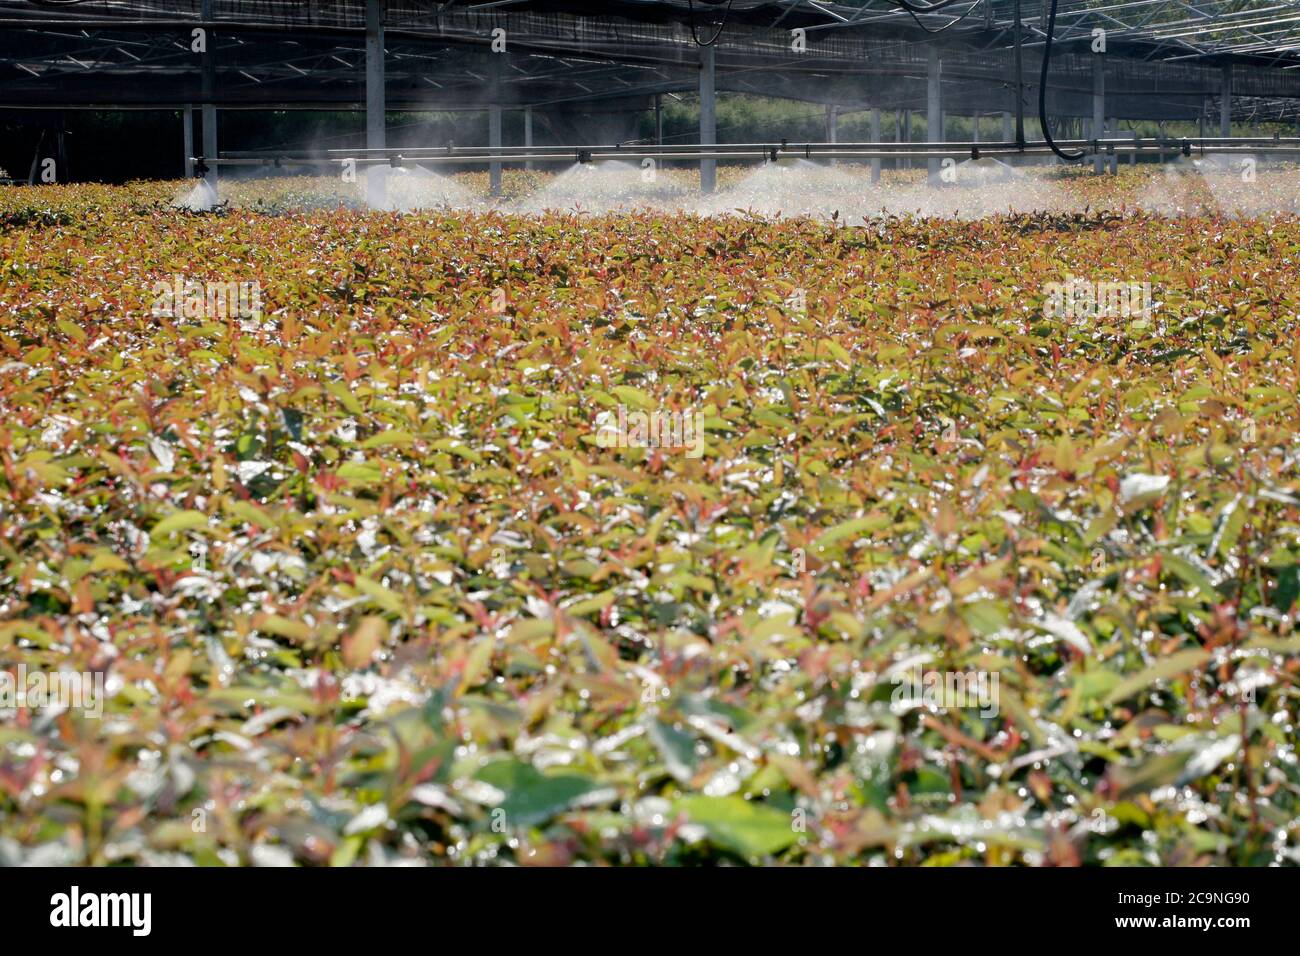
[187,137]
[528,133]
[875,138]
[933,109]
[708,116]
[494,147]
[496,71]
[376,135]
[905,128]
[1098,107]
[832,126]
[1020,80]
[209,109]
[1225,102]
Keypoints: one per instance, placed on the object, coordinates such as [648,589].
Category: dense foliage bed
[365,587]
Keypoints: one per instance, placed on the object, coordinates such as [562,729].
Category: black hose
[925,7]
[726,14]
[1070,157]
[951,23]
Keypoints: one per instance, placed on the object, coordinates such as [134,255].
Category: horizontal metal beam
[477,155]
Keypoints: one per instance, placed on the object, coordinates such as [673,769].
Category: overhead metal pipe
[463,155]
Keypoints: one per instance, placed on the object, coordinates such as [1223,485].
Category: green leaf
[345,397]
[530,797]
[1288,588]
[748,828]
[633,397]
[1171,666]
[359,472]
[1231,530]
[1095,683]
[1156,772]
[837,351]
[266,697]
[389,600]
[284,627]
[250,513]
[180,521]
[591,605]
[986,618]
[391,437]
[1192,576]
[852,529]
[677,749]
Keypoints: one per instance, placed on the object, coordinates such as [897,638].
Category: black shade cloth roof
[309,52]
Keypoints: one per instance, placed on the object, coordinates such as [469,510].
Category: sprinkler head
[200,168]
[974,152]
[584,157]
[774,154]
[395,162]
[1187,148]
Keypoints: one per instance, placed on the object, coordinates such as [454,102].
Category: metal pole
[34,171]
[1225,102]
[906,137]
[1098,108]
[61,150]
[494,147]
[528,133]
[875,138]
[187,134]
[209,109]
[1020,83]
[708,116]
[494,127]
[933,110]
[376,133]
[659,119]
[832,126]
[975,128]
